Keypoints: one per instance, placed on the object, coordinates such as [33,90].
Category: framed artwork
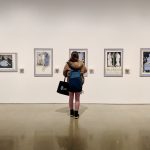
[43,62]
[145,62]
[83,55]
[113,62]
[8,62]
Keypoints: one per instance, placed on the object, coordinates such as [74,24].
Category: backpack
[74,80]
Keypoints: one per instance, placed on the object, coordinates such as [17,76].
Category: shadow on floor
[66,109]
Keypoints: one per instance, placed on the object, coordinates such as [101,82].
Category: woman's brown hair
[74,56]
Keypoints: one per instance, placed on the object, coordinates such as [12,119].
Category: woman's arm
[83,69]
[66,69]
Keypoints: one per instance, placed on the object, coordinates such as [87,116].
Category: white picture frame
[8,62]
[113,62]
[43,62]
[145,62]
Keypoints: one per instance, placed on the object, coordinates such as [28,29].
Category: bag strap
[64,79]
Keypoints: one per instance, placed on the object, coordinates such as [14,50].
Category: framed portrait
[145,62]
[43,62]
[113,62]
[83,55]
[8,62]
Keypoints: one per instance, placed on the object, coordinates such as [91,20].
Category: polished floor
[49,127]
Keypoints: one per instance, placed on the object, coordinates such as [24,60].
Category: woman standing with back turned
[74,64]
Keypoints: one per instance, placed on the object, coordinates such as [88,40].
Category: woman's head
[74,56]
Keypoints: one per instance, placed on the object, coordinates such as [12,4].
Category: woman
[74,63]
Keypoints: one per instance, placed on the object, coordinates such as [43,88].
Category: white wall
[64,24]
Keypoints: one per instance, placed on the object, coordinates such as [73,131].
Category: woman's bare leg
[71,97]
[77,100]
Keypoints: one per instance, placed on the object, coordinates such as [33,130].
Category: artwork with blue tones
[43,62]
[145,62]
[8,62]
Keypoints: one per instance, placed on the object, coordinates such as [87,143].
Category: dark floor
[49,127]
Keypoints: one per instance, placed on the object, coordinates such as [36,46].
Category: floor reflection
[100,127]
[144,140]
[71,139]
[44,142]
[7,143]
[76,138]
[112,140]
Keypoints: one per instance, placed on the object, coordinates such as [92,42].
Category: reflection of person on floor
[76,138]
[117,59]
[4,62]
[109,60]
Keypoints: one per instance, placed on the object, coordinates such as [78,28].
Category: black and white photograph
[8,62]
[113,62]
[145,62]
[43,62]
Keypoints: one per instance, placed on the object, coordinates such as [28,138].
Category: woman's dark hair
[74,56]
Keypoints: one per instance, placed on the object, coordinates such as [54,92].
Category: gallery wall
[63,24]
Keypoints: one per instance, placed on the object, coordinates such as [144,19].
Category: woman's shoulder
[80,62]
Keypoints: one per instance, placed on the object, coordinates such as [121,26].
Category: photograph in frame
[83,55]
[113,62]
[8,62]
[145,62]
[43,62]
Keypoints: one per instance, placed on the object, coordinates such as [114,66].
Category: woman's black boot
[76,115]
[71,112]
